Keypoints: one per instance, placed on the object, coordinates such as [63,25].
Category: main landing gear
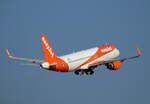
[84,72]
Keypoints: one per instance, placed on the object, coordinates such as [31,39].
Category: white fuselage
[74,60]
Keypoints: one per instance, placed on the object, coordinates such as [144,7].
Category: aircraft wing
[113,60]
[23,59]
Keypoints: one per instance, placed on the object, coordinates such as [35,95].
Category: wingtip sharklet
[138,51]
[7,52]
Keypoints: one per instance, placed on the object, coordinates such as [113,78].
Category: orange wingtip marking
[138,51]
[7,52]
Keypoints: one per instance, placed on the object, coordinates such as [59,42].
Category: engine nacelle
[45,65]
[114,65]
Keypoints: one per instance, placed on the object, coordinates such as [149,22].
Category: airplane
[81,63]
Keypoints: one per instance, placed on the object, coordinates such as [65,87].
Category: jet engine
[114,65]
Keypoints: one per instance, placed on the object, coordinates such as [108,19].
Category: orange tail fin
[49,54]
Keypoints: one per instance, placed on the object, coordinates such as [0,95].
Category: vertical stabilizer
[49,54]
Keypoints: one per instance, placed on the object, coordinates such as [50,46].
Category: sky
[70,26]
